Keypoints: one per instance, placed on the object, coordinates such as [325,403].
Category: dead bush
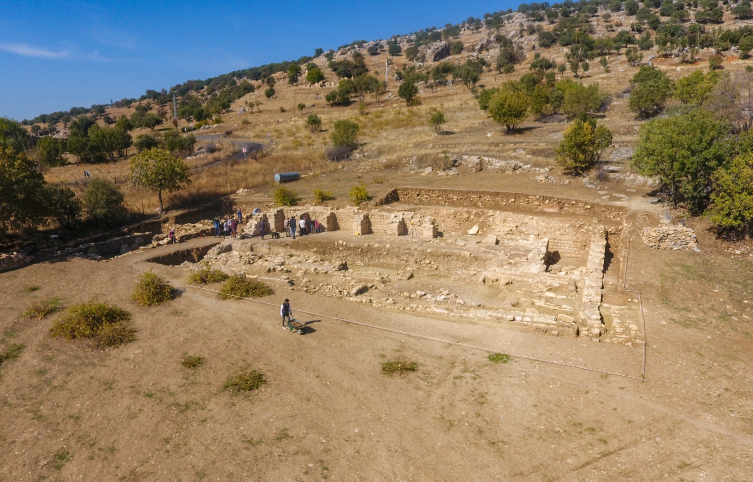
[339,153]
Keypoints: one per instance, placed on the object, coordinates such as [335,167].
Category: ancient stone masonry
[670,237]
[13,261]
[593,284]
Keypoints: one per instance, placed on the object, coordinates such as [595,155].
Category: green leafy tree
[179,144]
[469,73]
[269,92]
[12,134]
[394,49]
[408,91]
[110,140]
[49,152]
[294,70]
[485,96]
[653,90]
[437,120]
[745,45]
[314,122]
[732,195]
[345,133]
[158,170]
[150,120]
[103,202]
[577,99]
[314,76]
[63,205]
[21,188]
[509,106]
[696,87]
[301,106]
[145,141]
[683,152]
[582,145]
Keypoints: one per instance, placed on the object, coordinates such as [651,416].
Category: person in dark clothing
[216,228]
[286,312]
[292,226]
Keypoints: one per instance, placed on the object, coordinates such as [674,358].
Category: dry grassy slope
[390,131]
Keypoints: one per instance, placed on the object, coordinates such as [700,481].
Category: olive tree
[158,170]
[582,145]
[21,186]
[509,106]
[732,195]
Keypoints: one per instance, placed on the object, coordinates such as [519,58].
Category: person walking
[226,227]
[286,312]
[286,225]
[316,226]
[302,225]
[262,228]
[216,227]
[233,227]
[240,216]
[292,226]
[171,236]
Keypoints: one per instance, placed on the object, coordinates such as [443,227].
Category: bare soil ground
[327,412]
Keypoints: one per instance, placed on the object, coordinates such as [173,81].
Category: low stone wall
[670,237]
[500,201]
[13,261]
[118,245]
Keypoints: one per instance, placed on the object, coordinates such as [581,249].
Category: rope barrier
[640,296]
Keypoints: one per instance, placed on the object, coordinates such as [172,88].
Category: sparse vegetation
[107,326]
[499,357]
[238,286]
[207,275]
[314,122]
[11,353]
[320,195]
[42,309]
[192,362]
[285,197]
[398,367]
[582,145]
[30,288]
[152,289]
[359,194]
[437,120]
[244,381]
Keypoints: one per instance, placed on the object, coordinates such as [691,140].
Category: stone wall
[670,237]
[13,261]
[593,283]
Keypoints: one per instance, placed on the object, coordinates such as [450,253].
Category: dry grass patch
[41,309]
[207,275]
[152,289]
[192,362]
[11,353]
[244,381]
[30,288]
[104,325]
[238,286]
[398,367]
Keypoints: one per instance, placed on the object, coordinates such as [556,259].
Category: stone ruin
[670,237]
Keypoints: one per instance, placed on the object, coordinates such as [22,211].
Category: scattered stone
[670,237]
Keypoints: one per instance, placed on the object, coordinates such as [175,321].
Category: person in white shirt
[302,225]
[286,311]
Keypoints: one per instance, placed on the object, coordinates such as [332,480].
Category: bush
[285,197]
[582,145]
[238,286]
[499,357]
[345,133]
[269,92]
[509,107]
[359,194]
[207,275]
[41,309]
[49,152]
[145,142]
[152,289]
[244,381]
[394,49]
[456,48]
[408,92]
[63,205]
[314,122]
[399,367]
[105,325]
[103,202]
[339,153]
[437,120]
[13,352]
[320,195]
[732,195]
[192,362]
[715,62]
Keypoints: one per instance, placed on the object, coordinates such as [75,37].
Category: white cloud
[29,51]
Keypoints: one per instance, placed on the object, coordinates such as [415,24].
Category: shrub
[13,352]
[509,107]
[244,381]
[152,289]
[359,194]
[437,120]
[103,201]
[63,205]
[238,286]
[320,195]
[314,122]
[339,153]
[394,49]
[582,144]
[499,357]
[105,325]
[399,367]
[144,142]
[456,48]
[192,362]
[40,309]
[30,288]
[207,275]
[345,133]
[285,197]
[715,62]
[408,91]
[269,92]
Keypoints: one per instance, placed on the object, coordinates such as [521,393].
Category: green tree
[269,92]
[345,133]
[103,201]
[177,143]
[157,170]
[582,145]
[12,134]
[62,205]
[301,106]
[314,76]
[653,90]
[577,99]
[314,122]
[437,120]
[696,87]
[469,73]
[21,187]
[408,91]
[145,141]
[485,96]
[111,140]
[49,152]
[150,120]
[294,70]
[732,195]
[683,152]
[509,106]
[394,49]
[745,45]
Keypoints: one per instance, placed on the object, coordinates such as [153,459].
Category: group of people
[304,226]
[228,227]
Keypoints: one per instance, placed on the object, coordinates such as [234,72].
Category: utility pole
[386,71]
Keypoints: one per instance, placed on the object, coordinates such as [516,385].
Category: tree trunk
[160,201]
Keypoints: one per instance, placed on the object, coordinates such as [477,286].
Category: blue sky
[55,55]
